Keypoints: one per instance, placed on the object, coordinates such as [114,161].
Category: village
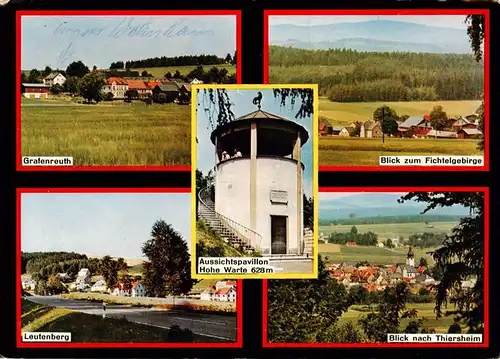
[222,291]
[461,127]
[376,278]
[161,90]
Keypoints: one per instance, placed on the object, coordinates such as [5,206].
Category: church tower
[410,258]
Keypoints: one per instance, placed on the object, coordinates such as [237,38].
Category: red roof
[117,80]
[223,291]
[231,282]
[427,117]
[322,126]
[137,85]
[152,84]
[421,269]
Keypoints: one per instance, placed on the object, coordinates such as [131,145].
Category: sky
[115,224]
[451,21]
[56,41]
[243,105]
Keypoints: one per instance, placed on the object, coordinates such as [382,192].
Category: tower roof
[261,117]
[410,253]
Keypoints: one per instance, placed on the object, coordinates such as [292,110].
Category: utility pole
[382,124]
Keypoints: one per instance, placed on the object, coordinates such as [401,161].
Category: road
[210,325]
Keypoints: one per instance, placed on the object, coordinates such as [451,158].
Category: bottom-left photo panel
[110,267]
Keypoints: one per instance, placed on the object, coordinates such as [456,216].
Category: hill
[375,35]
[210,244]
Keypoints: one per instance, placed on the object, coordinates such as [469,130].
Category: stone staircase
[225,227]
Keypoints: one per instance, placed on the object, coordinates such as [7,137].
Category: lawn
[90,328]
[392,230]
[184,70]
[335,253]
[107,134]
[425,310]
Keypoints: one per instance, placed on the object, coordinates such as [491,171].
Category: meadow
[184,70]
[337,253]
[107,134]
[425,311]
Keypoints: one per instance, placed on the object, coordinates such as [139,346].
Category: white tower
[261,192]
[410,258]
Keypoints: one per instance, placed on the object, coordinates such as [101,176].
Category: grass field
[184,70]
[392,230]
[425,310]
[338,151]
[335,253]
[89,328]
[108,133]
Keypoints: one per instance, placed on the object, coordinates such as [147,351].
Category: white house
[55,78]
[83,276]
[117,86]
[380,244]
[196,82]
[225,284]
[121,290]
[138,289]
[28,284]
[63,276]
[225,295]
[345,132]
[207,294]
[99,286]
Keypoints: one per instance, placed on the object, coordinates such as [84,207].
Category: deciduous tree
[438,118]
[90,87]
[77,69]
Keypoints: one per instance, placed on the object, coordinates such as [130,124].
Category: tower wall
[232,196]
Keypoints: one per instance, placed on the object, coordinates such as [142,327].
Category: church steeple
[410,258]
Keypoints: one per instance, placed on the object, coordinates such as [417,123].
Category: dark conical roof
[410,253]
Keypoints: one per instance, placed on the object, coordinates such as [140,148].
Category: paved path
[211,325]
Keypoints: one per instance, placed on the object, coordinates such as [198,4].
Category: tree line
[187,60]
[391,219]
[363,239]
[380,76]
[426,240]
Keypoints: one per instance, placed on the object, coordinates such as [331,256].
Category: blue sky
[243,105]
[452,21]
[56,41]
[115,224]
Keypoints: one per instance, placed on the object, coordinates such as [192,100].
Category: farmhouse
[466,133]
[55,78]
[346,131]
[169,89]
[35,90]
[138,289]
[370,129]
[83,276]
[441,134]
[225,295]
[99,286]
[28,284]
[415,127]
[140,86]
[117,86]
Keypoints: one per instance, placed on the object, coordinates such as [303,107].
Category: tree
[168,75]
[94,68]
[475,30]
[54,286]
[438,118]
[387,117]
[35,77]
[354,230]
[197,73]
[145,74]
[177,74]
[387,317]
[352,215]
[234,59]
[229,59]
[77,69]
[403,118]
[480,113]
[56,89]
[308,204]
[358,294]
[304,310]
[389,244]
[71,85]
[109,270]
[47,71]
[90,87]
[168,270]
[460,257]
[108,96]
[423,262]
[455,329]
[116,65]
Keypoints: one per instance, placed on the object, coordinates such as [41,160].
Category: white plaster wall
[232,196]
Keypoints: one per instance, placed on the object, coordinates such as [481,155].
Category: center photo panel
[254,175]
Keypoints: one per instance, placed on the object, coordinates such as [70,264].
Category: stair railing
[246,235]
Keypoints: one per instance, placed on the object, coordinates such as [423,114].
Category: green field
[392,230]
[425,310]
[184,70]
[89,328]
[107,134]
[336,253]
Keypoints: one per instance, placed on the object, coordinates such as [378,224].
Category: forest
[191,60]
[390,219]
[350,76]
[52,263]
[362,239]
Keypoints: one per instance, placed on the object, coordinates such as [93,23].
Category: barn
[35,90]
[466,133]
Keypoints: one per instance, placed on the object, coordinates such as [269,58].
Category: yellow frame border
[314,138]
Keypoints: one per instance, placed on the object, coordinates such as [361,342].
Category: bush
[108,96]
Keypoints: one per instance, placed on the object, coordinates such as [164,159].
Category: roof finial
[257,100]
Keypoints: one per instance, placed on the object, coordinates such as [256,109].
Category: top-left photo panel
[111,90]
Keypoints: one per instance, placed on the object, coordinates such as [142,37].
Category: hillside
[209,244]
[374,35]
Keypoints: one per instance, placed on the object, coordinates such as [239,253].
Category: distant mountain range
[376,204]
[373,36]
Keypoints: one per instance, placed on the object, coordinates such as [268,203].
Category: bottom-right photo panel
[398,267]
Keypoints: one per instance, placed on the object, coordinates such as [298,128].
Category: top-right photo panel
[399,90]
